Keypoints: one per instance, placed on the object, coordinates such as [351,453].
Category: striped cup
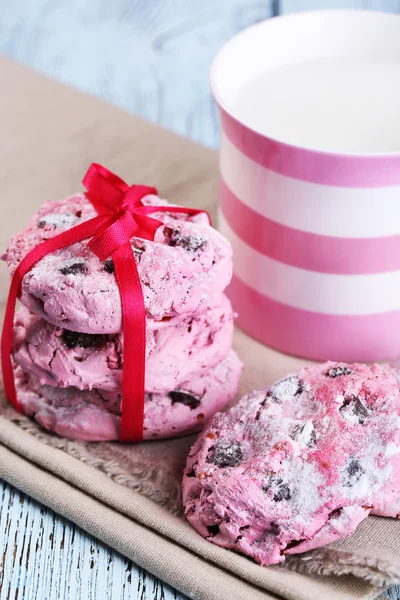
[315,234]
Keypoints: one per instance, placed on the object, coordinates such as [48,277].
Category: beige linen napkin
[129,495]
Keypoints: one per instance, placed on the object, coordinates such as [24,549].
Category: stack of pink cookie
[68,343]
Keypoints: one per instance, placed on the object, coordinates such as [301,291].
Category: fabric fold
[129,495]
[148,534]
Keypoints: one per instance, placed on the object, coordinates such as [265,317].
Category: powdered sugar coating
[177,350]
[184,270]
[308,459]
[95,415]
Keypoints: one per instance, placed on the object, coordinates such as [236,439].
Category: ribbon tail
[134,328]
[6,344]
[76,234]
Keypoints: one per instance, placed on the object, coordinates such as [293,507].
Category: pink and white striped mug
[315,233]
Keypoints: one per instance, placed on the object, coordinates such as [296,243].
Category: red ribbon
[121,216]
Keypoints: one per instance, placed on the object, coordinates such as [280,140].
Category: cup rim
[294,16]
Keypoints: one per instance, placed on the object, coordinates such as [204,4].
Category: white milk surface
[336,105]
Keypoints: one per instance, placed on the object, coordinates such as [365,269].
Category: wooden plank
[43,556]
[151,58]
[288,6]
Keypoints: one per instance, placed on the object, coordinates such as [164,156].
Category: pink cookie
[95,415]
[184,271]
[300,464]
[178,350]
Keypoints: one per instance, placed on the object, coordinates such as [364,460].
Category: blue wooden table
[150,57]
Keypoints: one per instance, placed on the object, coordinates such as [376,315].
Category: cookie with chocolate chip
[177,350]
[299,464]
[95,415]
[184,270]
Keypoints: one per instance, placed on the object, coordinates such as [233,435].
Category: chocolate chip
[334,514]
[280,489]
[274,528]
[138,254]
[296,431]
[353,407]
[72,339]
[213,529]
[191,400]
[337,372]
[353,473]
[293,544]
[241,529]
[226,454]
[286,388]
[304,433]
[313,439]
[108,265]
[78,214]
[283,493]
[191,243]
[74,269]
[191,473]
[57,220]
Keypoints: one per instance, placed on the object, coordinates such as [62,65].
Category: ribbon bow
[121,216]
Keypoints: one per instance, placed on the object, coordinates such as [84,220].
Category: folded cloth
[129,495]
